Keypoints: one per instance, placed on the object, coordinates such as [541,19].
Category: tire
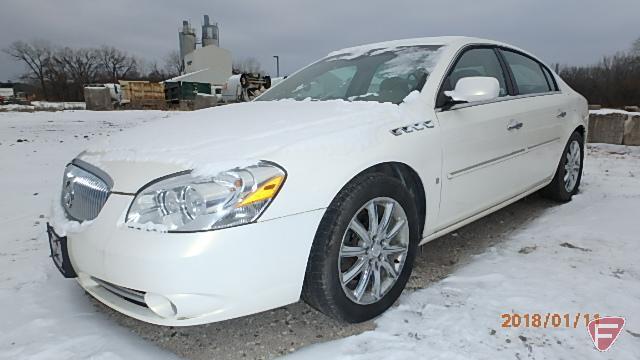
[560,189]
[331,262]
[244,81]
[267,82]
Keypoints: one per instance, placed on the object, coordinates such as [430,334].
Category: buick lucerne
[322,188]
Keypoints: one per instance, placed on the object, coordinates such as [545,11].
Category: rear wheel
[566,182]
[363,252]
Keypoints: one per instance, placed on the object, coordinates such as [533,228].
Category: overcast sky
[564,31]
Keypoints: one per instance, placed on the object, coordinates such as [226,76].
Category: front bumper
[181,279]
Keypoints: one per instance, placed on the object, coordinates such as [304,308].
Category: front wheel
[566,182]
[363,252]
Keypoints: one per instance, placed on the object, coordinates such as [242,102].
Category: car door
[540,109]
[480,145]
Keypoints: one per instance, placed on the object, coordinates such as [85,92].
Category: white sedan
[322,188]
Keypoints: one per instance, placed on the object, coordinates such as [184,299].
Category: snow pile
[59,105]
[356,51]
[606,111]
[412,59]
[44,105]
[579,257]
[16,107]
[61,223]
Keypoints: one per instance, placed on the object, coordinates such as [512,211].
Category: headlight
[187,203]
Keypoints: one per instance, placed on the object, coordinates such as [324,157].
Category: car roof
[440,40]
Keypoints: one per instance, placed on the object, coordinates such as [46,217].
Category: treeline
[613,82]
[60,73]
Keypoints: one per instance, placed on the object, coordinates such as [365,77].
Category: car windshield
[382,75]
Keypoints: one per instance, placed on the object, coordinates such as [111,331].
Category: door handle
[561,115]
[514,125]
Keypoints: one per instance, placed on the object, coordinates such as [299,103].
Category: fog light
[160,305]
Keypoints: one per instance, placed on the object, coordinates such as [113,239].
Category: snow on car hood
[217,139]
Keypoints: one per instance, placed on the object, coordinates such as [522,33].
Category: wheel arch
[409,177]
[580,129]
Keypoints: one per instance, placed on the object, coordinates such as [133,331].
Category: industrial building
[207,64]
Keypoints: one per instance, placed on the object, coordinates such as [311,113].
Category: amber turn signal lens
[264,192]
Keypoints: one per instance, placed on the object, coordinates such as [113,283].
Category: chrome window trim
[498,100]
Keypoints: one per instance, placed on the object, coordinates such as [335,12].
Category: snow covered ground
[579,257]
[43,315]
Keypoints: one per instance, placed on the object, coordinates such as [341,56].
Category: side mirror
[476,88]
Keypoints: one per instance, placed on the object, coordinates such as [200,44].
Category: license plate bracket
[60,253]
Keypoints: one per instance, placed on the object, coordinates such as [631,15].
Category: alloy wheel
[572,166]
[373,250]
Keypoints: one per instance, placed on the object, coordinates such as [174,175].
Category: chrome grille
[84,193]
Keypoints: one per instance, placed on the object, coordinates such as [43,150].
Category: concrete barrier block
[185,105]
[632,131]
[98,98]
[203,101]
[607,128]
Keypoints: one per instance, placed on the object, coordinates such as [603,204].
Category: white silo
[187,38]
[210,33]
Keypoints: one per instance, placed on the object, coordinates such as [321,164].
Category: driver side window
[475,62]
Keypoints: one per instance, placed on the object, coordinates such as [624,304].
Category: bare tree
[116,63]
[247,65]
[76,67]
[155,74]
[58,75]
[81,64]
[635,47]
[613,82]
[173,64]
[36,56]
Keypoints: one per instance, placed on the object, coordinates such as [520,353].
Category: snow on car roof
[442,40]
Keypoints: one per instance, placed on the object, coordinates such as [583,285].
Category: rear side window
[527,73]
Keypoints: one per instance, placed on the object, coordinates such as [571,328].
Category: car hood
[217,139]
